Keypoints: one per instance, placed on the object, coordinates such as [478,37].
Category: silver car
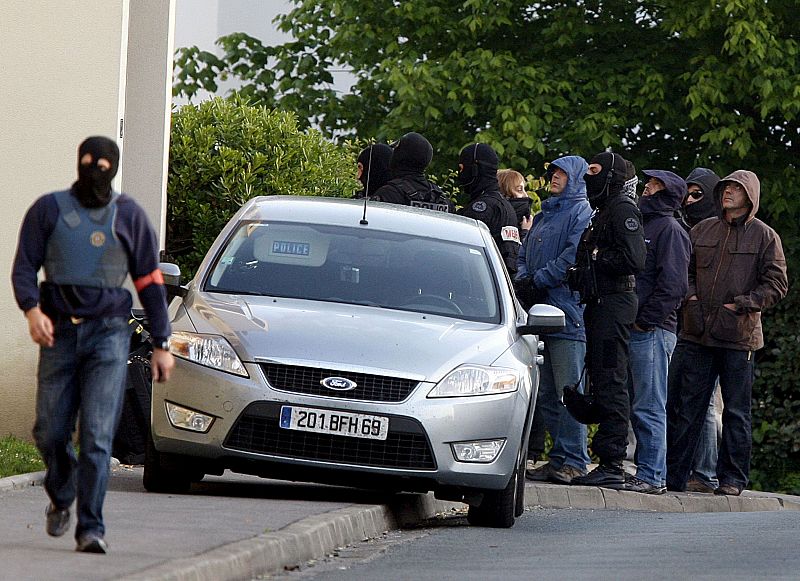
[377,346]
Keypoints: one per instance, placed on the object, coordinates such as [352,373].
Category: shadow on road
[129,479]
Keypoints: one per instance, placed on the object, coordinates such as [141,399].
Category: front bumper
[417,455]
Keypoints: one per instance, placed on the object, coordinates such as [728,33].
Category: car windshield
[357,266]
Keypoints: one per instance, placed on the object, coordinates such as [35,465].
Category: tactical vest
[433,199]
[83,248]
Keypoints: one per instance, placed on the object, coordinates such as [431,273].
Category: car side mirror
[543,319]
[172,280]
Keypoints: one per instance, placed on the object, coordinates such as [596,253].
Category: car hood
[417,346]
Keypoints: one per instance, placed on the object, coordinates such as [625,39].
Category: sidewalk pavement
[226,530]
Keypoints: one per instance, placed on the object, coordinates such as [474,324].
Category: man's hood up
[669,199]
[749,181]
[575,167]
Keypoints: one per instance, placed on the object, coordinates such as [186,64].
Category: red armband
[154,277]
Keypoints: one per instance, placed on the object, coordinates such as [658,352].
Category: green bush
[776,405]
[224,152]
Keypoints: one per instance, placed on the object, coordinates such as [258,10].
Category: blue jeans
[650,353]
[563,363]
[81,378]
[704,467]
[697,377]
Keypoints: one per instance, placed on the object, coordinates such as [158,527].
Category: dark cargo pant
[608,324]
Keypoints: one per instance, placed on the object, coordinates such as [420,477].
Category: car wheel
[156,478]
[498,509]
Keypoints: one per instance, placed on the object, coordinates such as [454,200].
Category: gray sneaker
[634,484]
[565,474]
[57,520]
[91,543]
[540,474]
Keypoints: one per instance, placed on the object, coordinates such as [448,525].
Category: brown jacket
[740,263]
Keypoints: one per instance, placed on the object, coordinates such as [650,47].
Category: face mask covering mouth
[93,188]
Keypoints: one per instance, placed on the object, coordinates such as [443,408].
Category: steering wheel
[435,300]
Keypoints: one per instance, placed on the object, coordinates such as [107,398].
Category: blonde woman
[512,186]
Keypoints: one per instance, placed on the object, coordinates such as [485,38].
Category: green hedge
[224,152]
[776,405]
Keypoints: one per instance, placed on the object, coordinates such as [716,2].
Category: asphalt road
[579,544]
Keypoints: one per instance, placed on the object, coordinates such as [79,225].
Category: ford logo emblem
[339,383]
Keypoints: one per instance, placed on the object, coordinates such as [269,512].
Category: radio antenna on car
[364,221]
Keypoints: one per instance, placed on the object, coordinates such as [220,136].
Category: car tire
[156,478]
[498,509]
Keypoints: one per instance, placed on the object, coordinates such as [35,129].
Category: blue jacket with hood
[661,287]
[552,244]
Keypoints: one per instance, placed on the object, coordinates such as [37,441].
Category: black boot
[607,475]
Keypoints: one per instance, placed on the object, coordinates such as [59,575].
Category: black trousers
[696,377]
[608,331]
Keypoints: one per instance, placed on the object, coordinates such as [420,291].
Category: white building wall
[62,69]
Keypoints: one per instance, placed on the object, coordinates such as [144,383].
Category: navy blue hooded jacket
[662,285]
[552,244]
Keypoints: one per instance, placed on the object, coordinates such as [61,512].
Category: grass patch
[18,457]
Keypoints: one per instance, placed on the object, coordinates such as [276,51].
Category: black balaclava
[706,206]
[93,188]
[613,178]
[375,161]
[411,155]
[480,169]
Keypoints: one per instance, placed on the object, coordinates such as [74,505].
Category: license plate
[333,422]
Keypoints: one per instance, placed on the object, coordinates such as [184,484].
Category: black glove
[527,293]
[575,277]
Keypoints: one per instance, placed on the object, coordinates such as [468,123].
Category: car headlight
[476,380]
[209,350]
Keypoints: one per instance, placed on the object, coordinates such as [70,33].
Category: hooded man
[697,206]
[699,202]
[548,251]
[373,168]
[409,186]
[611,251]
[477,175]
[87,239]
[660,289]
[737,270]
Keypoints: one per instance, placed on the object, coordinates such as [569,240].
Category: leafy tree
[674,84]
[224,152]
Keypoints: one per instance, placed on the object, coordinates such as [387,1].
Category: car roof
[379,216]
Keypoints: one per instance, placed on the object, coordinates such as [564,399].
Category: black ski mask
[411,155]
[610,180]
[93,188]
[375,163]
[479,171]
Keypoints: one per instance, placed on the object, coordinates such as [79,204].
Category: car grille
[307,380]
[257,430]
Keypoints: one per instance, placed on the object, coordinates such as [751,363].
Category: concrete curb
[21,481]
[310,538]
[318,536]
[558,496]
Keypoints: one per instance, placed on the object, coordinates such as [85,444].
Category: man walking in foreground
[87,239]
[737,269]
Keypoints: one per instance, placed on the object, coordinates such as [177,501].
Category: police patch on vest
[430,206]
[632,224]
[510,233]
[97,238]
[479,206]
